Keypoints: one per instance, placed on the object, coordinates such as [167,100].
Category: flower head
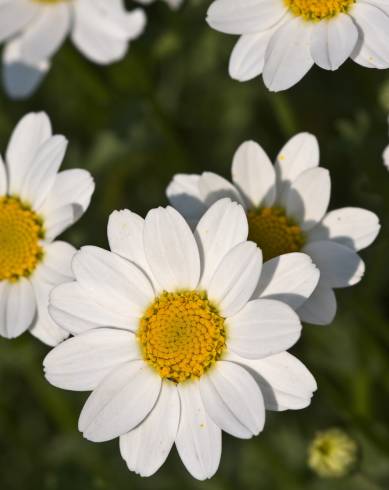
[180,335]
[34,30]
[286,206]
[283,39]
[37,203]
[332,454]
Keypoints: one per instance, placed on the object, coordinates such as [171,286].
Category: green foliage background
[171,107]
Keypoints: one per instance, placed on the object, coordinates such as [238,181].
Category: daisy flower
[286,206]
[36,204]
[282,39]
[34,30]
[179,336]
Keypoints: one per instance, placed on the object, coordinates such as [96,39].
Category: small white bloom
[282,39]
[180,335]
[286,207]
[35,29]
[385,156]
[36,204]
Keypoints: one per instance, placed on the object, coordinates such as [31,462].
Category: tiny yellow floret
[274,232]
[182,335]
[332,454]
[21,230]
[317,10]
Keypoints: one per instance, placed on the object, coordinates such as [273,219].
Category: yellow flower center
[20,233]
[273,232]
[316,10]
[50,2]
[332,453]
[182,335]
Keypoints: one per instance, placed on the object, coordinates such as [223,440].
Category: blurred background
[171,107]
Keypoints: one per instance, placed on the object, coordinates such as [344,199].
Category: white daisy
[286,207]
[35,29]
[36,204]
[282,39]
[170,340]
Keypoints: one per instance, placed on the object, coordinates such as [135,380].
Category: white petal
[299,154]
[120,402]
[245,16]
[254,175]
[21,79]
[184,194]
[44,36]
[288,56]
[103,273]
[290,278]
[82,362]
[58,220]
[146,447]
[221,228]
[385,157]
[125,236]
[199,441]
[32,131]
[333,41]
[101,36]
[285,382]
[171,250]
[233,400]
[41,175]
[354,227]
[309,196]
[236,278]
[372,49]
[262,328]
[213,187]
[72,188]
[320,308]
[17,307]
[14,16]
[77,310]
[339,265]
[3,178]
[53,270]
[248,56]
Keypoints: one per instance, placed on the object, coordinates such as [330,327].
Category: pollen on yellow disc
[273,232]
[316,10]
[20,232]
[182,335]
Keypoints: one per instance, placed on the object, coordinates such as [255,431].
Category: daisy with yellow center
[34,30]
[286,207]
[168,337]
[282,39]
[36,204]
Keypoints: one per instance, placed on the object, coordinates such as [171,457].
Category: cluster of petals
[283,46]
[297,184]
[34,30]
[102,309]
[31,172]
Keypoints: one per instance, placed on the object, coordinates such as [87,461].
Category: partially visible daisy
[286,206]
[36,204]
[34,30]
[283,39]
[169,339]
[385,156]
